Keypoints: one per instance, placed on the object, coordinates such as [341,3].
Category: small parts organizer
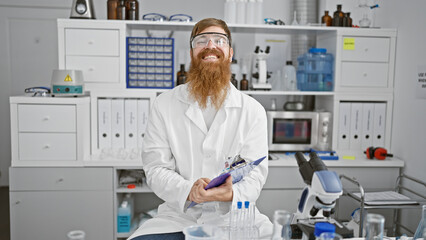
[150,62]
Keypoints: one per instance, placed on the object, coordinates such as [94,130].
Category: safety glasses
[161,18]
[272,21]
[202,40]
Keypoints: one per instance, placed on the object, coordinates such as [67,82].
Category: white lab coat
[179,149]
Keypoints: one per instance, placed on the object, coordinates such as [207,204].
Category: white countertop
[359,161]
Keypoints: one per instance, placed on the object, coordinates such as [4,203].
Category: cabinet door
[42,215]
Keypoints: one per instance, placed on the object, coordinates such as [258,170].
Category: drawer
[47,147]
[358,74]
[367,49]
[23,179]
[46,118]
[96,69]
[284,178]
[92,42]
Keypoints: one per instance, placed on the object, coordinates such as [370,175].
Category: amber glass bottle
[112,8]
[132,10]
[338,16]
[244,83]
[181,75]
[326,19]
[121,10]
[234,81]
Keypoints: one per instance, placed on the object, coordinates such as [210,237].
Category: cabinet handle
[364,75]
[91,69]
[366,50]
[46,146]
[91,42]
[17,202]
[46,118]
[60,180]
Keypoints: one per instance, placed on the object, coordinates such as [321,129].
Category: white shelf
[317,93]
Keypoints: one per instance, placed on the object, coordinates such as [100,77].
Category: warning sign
[348,43]
[421,82]
[68,78]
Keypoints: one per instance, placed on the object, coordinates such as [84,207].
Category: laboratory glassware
[374,227]
[421,229]
[330,236]
[282,229]
[203,232]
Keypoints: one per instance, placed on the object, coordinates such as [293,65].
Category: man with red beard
[194,132]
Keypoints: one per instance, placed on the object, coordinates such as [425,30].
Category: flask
[234,81]
[230,11]
[365,21]
[112,8]
[338,16]
[181,75]
[421,229]
[244,84]
[282,229]
[123,217]
[374,227]
[290,77]
[326,19]
[121,10]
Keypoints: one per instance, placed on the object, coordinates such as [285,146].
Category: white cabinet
[50,131]
[47,203]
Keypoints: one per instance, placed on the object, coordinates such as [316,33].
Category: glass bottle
[234,81]
[349,19]
[132,10]
[374,227]
[244,83]
[121,10]
[326,19]
[181,75]
[112,8]
[338,16]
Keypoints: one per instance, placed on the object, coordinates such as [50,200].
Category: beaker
[374,227]
[330,236]
[203,232]
[282,229]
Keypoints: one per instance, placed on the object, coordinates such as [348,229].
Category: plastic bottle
[131,202]
[251,12]
[230,11]
[124,217]
[290,82]
[259,12]
[181,75]
[421,229]
[241,11]
[315,70]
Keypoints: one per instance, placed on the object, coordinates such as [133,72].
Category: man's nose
[210,44]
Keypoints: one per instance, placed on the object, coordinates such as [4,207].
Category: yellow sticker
[348,43]
[349,157]
[68,78]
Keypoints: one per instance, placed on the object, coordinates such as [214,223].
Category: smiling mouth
[210,57]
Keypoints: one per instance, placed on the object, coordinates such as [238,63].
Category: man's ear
[231,54]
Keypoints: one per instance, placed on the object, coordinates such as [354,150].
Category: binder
[356,126]
[130,123]
[143,113]
[104,123]
[367,125]
[117,125]
[344,125]
[379,124]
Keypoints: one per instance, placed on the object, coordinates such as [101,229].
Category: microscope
[318,198]
[262,72]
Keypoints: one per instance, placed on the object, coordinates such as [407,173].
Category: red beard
[209,79]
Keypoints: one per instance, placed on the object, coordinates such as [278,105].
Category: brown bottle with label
[338,16]
[244,83]
[132,10]
[112,8]
[327,19]
[181,75]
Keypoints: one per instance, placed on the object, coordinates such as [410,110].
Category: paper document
[386,198]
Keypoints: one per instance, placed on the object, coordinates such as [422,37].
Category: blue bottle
[124,218]
[315,70]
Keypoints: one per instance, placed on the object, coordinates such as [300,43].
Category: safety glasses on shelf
[202,40]
[160,18]
[272,21]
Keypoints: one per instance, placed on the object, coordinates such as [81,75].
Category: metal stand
[398,187]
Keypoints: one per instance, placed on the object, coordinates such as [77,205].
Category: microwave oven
[298,130]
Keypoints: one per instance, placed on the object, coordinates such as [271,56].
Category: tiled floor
[4,216]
